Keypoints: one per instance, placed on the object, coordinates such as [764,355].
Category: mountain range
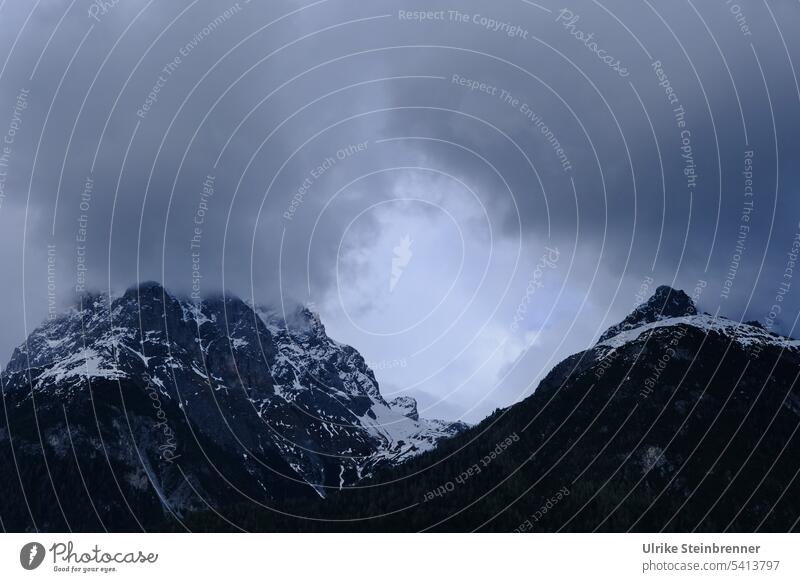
[151,412]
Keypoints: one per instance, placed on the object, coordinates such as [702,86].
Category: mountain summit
[150,406]
[665,303]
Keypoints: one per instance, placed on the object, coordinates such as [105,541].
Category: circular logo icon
[31,555]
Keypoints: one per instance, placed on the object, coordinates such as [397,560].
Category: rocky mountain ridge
[179,404]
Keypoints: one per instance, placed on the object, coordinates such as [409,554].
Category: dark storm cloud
[148,127]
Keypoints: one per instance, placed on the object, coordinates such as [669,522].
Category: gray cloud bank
[465,195]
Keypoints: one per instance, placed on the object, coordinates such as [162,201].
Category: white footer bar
[390,557]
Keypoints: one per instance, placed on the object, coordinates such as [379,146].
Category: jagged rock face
[147,406]
[665,303]
[407,405]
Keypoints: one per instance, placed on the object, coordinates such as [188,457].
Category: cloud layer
[466,196]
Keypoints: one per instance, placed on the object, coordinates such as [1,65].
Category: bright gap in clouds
[428,292]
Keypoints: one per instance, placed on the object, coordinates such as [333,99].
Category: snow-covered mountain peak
[406,405]
[665,303]
[263,387]
[670,308]
[746,335]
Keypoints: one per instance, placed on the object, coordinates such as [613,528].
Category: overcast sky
[466,198]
